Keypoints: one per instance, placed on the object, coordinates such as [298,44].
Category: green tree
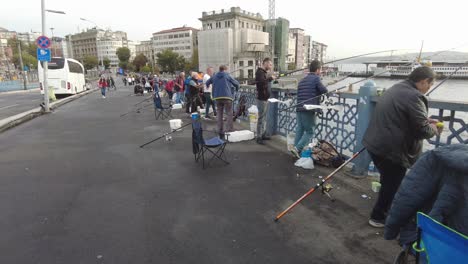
[28,60]
[123,53]
[170,61]
[139,61]
[90,62]
[28,57]
[291,67]
[107,63]
[146,69]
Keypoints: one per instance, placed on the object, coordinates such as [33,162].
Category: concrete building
[291,57]
[98,43]
[145,48]
[59,48]
[233,37]
[307,50]
[6,53]
[28,37]
[319,51]
[132,47]
[182,40]
[278,42]
[298,36]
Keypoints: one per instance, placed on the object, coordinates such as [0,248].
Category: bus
[66,76]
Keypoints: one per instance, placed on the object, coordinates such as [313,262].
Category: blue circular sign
[43,42]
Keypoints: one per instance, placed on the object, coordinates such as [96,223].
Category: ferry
[402,68]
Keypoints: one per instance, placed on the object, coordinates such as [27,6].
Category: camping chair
[215,146]
[162,107]
[436,243]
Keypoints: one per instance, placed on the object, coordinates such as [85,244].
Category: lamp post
[46,64]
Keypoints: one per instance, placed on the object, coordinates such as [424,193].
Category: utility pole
[45,65]
[52,49]
[22,66]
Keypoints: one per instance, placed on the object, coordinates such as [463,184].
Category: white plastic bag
[253,109]
[306,163]
[290,140]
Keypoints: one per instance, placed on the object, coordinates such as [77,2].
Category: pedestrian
[124,81]
[395,135]
[195,88]
[308,92]
[103,85]
[188,99]
[170,88]
[262,81]
[156,83]
[208,93]
[223,96]
[179,87]
[112,83]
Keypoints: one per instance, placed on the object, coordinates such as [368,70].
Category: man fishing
[395,135]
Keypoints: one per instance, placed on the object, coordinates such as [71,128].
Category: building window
[250,63]
[243,24]
[250,74]
[241,63]
[247,25]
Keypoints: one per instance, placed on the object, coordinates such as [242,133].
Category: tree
[146,69]
[28,60]
[193,65]
[90,62]
[123,53]
[107,63]
[139,61]
[170,61]
[291,67]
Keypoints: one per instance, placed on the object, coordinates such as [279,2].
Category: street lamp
[46,64]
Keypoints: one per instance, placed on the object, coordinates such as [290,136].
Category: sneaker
[377,223]
[295,152]
[260,141]
[103,97]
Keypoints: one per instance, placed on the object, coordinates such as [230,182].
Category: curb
[18,119]
[21,91]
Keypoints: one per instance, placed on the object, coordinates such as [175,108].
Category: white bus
[65,75]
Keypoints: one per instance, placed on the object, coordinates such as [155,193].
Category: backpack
[325,154]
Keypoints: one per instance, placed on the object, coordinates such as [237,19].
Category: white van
[65,75]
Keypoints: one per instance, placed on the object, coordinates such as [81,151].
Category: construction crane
[272,26]
[271,9]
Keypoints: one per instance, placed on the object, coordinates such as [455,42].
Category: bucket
[175,124]
[195,116]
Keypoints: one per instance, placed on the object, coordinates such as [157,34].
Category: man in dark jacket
[308,92]
[436,185]
[222,94]
[394,137]
[263,94]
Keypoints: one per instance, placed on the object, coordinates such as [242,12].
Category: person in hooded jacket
[223,96]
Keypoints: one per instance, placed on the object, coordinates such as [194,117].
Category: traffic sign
[43,54]
[43,42]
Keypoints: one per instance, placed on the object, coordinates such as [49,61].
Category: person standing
[263,94]
[124,80]
[103,85]
[188,99]
[195,88]
[179,87]
[112,83]
[308,92]
[208,93]
[170,88]
[223,96]
[395,135]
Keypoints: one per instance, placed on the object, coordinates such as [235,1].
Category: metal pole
[45,66]
[22,65]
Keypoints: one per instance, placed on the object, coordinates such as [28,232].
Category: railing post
[365,110]
[272,115]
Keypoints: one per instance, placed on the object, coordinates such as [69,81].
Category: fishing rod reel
[326,189]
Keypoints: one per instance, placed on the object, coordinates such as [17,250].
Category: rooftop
[231,11]
[175,30]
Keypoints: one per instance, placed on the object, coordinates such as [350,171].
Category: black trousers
[391,175]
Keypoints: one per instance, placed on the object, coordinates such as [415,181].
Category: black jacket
[436,185]
[399,124]
[262,81]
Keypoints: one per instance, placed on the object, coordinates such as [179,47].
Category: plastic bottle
[372,171]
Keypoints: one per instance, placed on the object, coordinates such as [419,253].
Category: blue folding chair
[214,146]
[162,108]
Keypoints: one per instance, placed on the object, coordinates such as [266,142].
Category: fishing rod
[333,61]
[444,80]
[136,110]
[278,217]
[166,134]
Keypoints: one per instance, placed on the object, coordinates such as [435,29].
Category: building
[98,43]
[298,36]
[58,48]
[28,37]
[278,43]
[307,50]
[145,48]
[182,40]
[319,51]
[6,52]
[291,57]
[132,47]
[234,38]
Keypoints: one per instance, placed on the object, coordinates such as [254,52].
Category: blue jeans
[262,118]
[179,98]
[209,102]
[305,127]
[103,91]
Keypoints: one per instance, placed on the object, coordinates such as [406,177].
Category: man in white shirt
[208,91]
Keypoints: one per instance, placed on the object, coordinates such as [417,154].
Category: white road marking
[5,107]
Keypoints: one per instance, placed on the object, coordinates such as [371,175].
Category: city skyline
[411,22]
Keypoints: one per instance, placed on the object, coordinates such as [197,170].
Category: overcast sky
[348,26]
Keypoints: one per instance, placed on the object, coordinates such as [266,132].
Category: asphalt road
[18,102]
[76,188]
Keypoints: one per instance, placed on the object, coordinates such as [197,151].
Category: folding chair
[214,146]
[162,107]
[436,243]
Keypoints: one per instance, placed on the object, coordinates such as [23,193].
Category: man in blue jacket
[308,92]
[223,96]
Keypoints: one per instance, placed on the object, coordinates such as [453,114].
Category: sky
[348,27]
